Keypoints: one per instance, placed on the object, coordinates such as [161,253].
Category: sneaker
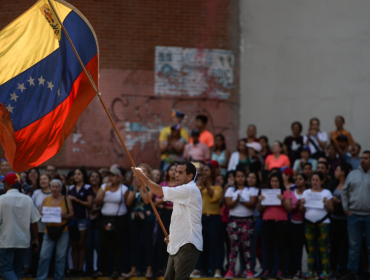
[217,274]
[195,274]
[229,275]
[298,275]
[348,276]
[250,274]
[266,275]
[323,275]
[308,275]
[280,275]
[258,273]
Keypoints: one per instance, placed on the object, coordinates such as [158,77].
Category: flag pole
[109,116]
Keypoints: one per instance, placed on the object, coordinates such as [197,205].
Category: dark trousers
[296,243]
[180,265]
[275,233]
[211,231]
[92,244]
[11,262]
[112,240]
[338,245]
[162,246]
[146,227]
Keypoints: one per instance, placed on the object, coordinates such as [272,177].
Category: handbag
[55,232]
[74,232]
[109,222]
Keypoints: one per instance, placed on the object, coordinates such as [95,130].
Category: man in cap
[17,213]
[177,118]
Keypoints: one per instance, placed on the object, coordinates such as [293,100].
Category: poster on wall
[194,72]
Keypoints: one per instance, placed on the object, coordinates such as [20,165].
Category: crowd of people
[262,207]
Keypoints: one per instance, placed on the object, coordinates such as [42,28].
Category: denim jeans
[357,226]
[60,256]
[11,262]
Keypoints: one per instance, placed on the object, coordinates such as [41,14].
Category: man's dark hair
[307,163]
[190,168]
[341,118]
[366,152]
[299,124]
[202,118]
[324,163]
[56,169]
[359,146]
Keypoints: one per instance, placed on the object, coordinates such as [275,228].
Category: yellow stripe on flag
[34,37]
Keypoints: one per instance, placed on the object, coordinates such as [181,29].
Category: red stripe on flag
[42,139]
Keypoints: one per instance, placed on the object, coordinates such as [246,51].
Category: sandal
[130,275]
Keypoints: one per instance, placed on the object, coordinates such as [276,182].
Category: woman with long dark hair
[240,156]
[81,194]
[33,180]
[317,225]
[316,139]
[93,242]
[165,215]
[220,153]
[338,226]
[241,200]
[275,226]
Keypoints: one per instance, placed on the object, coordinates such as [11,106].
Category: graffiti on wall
[194,72]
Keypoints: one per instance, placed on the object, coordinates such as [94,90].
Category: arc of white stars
[14,97]
[50,85]
[10,108]
[58,91]
[21,87]
[41,81]
[31,81]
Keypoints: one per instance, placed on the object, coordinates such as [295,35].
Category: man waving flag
[43,88]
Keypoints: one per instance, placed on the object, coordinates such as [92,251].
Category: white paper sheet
[314,200]
[271,197]
[51,215]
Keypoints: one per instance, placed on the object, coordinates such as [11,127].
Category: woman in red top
[277,159]
[275,226]
[165,208]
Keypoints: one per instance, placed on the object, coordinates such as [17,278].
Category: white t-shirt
[186,219]
[112,200]
[315,214]
[17,212]
[38,197]
[322,137]
[245,194]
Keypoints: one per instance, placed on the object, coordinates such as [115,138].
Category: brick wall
[128,32]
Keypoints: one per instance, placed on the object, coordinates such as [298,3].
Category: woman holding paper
[58,236]
[241,201]
[275,203]
[317,203]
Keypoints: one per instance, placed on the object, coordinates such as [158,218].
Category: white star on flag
[10,108]
[58,91]
[31,81]
[41,81]
[14,97]
[50,85]
[21,87]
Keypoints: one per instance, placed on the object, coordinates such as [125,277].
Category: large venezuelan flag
[43,88]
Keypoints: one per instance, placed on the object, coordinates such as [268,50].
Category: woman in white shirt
[241,201]
[240,156]
[316,139]
[38,197]
[317,203]
[114,199]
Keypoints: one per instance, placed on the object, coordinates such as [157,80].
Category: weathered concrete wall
[128,33]
[303,59]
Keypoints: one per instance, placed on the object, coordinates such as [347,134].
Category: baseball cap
[342,137]
[176,127]
[214,163]
[115,171]
[306,148]
[255,146]
[11,178]
[288,171]
[178,114]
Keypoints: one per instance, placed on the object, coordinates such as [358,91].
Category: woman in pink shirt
[275,226]
[296,226]
[277,159]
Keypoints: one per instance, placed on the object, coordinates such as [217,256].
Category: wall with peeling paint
[128,33]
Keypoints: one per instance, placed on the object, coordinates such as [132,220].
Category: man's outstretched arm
[155,188]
